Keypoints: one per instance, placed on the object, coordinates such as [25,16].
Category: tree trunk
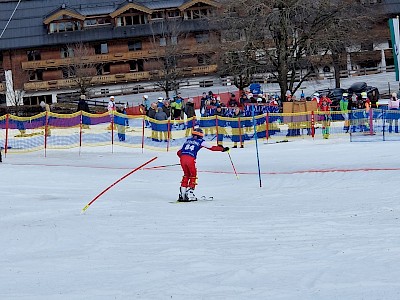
[336,68]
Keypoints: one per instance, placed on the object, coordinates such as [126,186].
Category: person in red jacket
[324,106]
[188,155]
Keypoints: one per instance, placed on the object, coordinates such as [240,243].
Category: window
[68,72]
[174,14]
[367,46]
[136,65]
[101,48]
[104,91]
[103,69]
[96,22]
[134,45]
[33,55]
[64,26]
[390,44]
[131,19]
[174,40]
[157,15]
[203,60]
[67,52]
[35,75]
[197,13]
[163,42]
[202,38]
[90,22]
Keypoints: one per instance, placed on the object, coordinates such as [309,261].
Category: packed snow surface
[324,225]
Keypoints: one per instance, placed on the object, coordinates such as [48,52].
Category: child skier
[187,155]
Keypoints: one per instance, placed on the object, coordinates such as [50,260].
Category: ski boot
[190,195]
[182,195]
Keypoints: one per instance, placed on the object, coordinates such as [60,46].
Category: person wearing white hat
[393,106]
[111,109]
[160,102]
[344,107]
[111,104]
[146,102]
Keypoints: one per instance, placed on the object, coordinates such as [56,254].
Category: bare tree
[15,96]
[167,42]
[289,39]
[80,69]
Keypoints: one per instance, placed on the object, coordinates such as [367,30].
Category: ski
[201,199]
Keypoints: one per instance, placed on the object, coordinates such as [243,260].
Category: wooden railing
[107,58]
[2,87]
[113,79]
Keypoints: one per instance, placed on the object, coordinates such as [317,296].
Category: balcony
[112,79]
[107,58]
[2,87]
[96,80]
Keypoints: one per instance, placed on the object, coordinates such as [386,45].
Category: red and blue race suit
[188,155]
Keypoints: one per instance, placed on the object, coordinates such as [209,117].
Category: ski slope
[324,224]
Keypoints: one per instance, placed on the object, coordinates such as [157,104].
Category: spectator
[45,107]
[120,120]
[160,102]
[344,107]
[167,108]
[354,100]
[302,96]
[151,115]
[161,126]
[232,101]
[146,102]
[203,103]
[324,106]
[243,99]
[83,106]
[190,115]
[237,132]
[220,125]
[111,105]
[111,109]
[152,110]
[393,106]
[177,106]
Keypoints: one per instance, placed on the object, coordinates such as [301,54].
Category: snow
[324,225]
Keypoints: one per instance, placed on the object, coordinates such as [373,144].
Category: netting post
[45,134]
[240,131]
[384,122]
[143,121]
[6,142]
[112,131]
[371,123]
[169,133]
[267,125]
[80,135]
[312,124]
[216,127]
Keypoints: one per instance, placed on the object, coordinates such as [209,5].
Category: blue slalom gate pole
[256,139]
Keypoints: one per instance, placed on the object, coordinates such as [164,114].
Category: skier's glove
[225,149]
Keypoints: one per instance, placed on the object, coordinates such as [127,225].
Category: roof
[27,29]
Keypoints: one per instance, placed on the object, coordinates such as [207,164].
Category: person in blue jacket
[187,156]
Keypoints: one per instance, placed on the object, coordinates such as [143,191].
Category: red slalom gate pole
[122,178]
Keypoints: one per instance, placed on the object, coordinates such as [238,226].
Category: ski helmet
[198,132]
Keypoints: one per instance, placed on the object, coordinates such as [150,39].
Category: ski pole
[164,166]
[234,169]
[122,178]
